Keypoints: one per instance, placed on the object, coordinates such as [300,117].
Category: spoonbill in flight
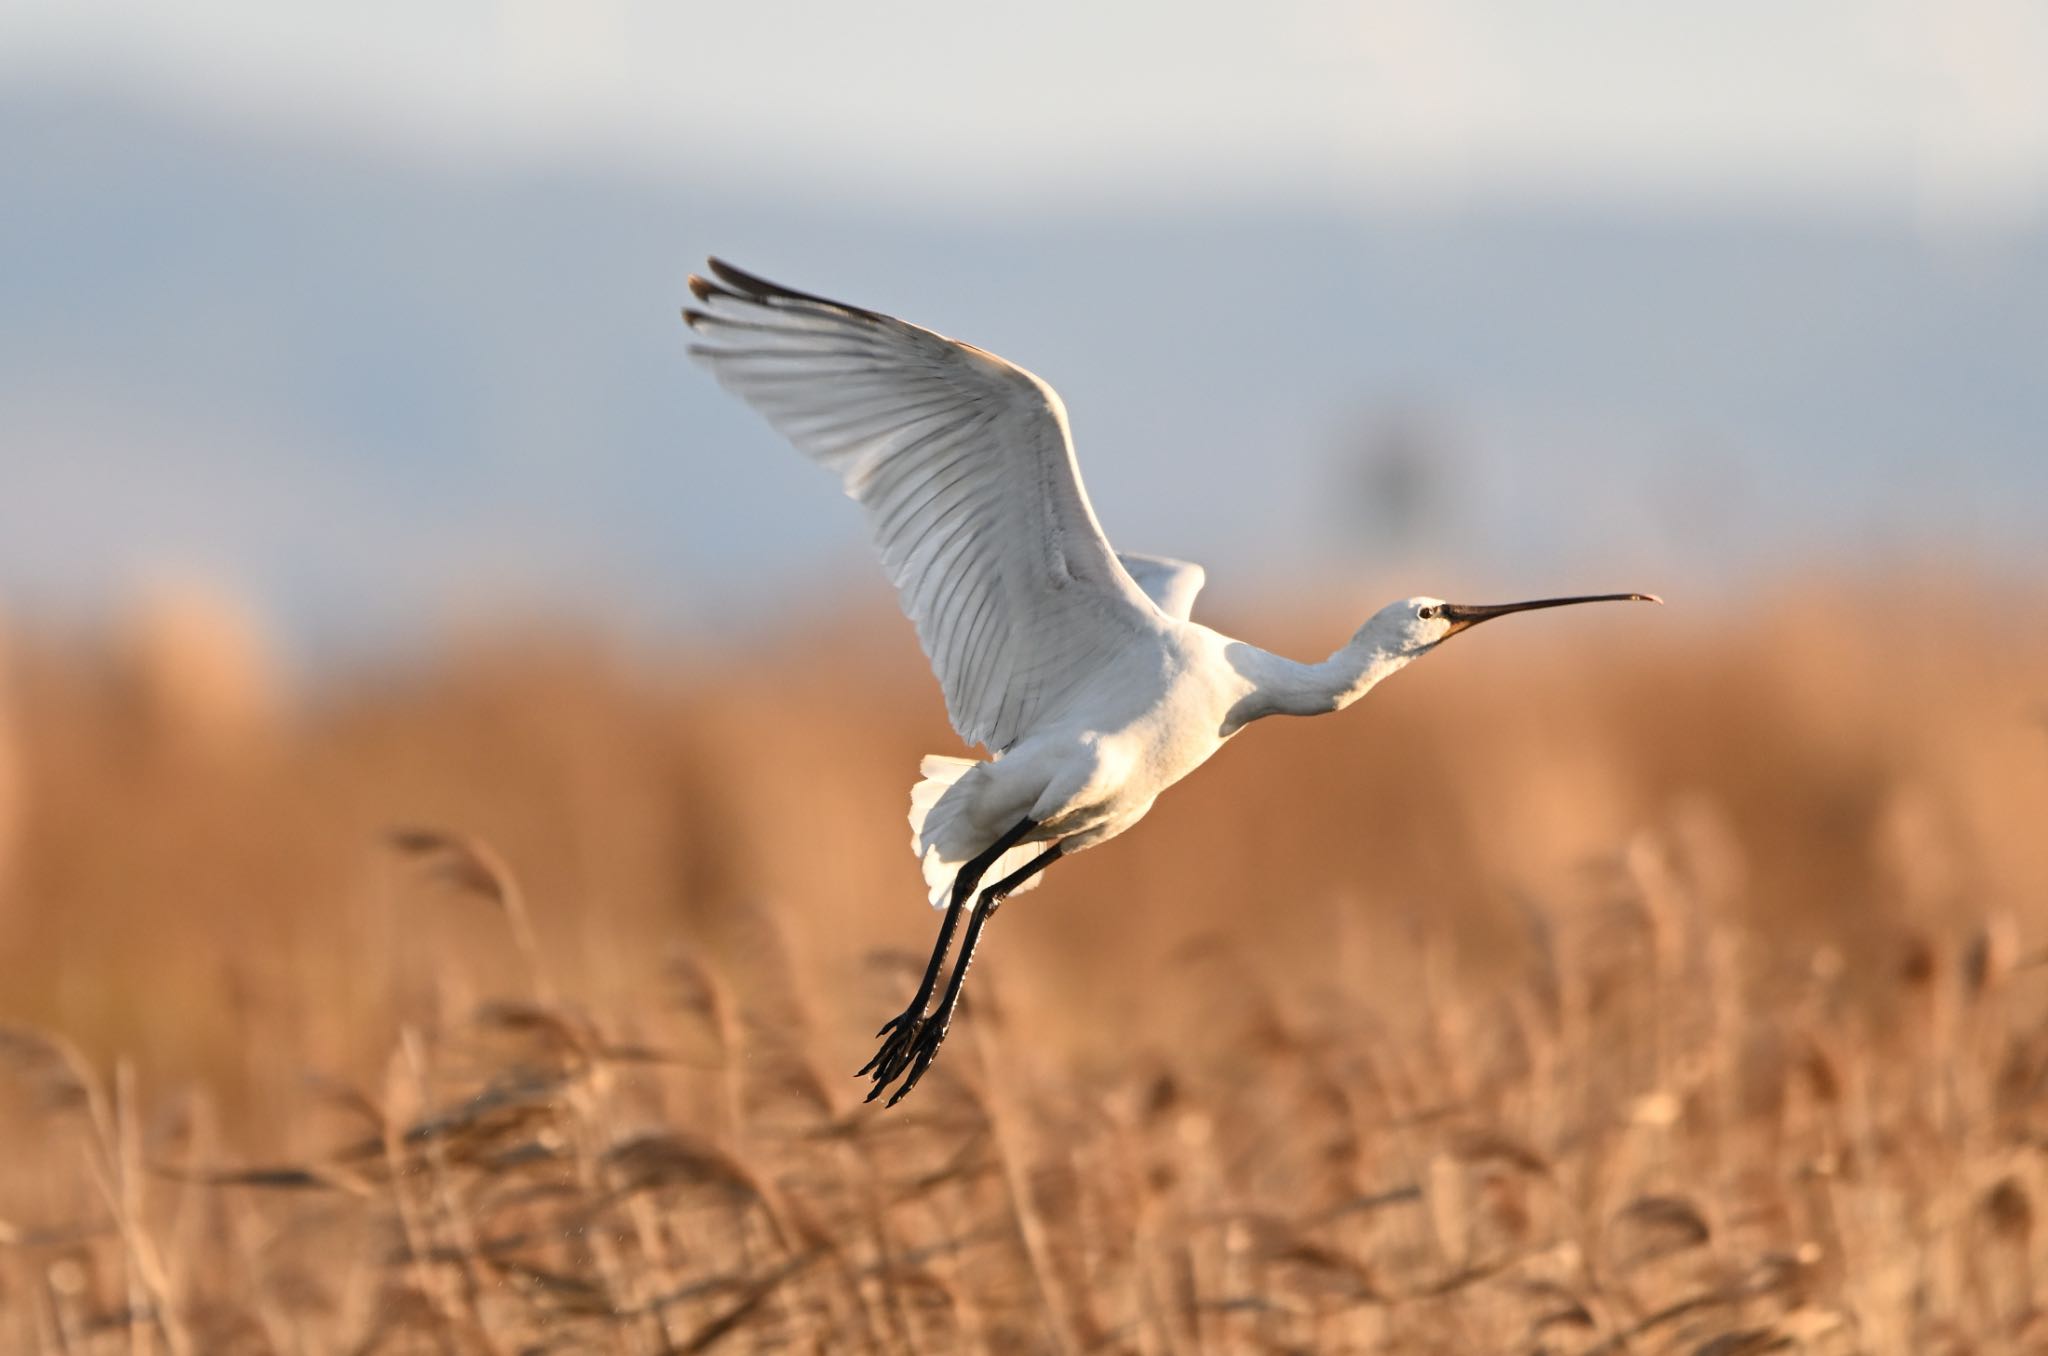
[1075,665]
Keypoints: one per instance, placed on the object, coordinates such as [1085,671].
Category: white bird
[1077,667]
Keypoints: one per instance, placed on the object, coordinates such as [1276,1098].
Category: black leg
[924,1046]
[902,1029]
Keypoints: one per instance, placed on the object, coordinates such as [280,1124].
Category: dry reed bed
[1689,1003]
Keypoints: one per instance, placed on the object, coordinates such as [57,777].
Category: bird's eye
[1425,613]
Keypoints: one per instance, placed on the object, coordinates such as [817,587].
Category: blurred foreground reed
[1597,988]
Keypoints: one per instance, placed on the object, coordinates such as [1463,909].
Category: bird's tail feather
[943,841]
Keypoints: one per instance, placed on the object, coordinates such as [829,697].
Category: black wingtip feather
[759,289]
[707,291]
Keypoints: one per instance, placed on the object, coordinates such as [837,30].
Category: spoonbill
[1076,666]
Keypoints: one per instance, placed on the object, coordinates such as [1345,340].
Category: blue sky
[1937,104]
[367,312]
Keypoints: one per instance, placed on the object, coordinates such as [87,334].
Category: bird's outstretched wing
[1170,584]
[965,468]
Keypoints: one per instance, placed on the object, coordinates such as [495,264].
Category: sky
[367,311]
[1935,105]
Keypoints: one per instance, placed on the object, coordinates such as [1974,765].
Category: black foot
[900,1033]
[911,1039]
[913,1043]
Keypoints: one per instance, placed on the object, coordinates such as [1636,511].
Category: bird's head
[1414,626]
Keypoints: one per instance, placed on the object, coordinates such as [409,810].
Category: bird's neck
[1287,687]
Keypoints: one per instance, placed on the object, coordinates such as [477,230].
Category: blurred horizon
[367,321]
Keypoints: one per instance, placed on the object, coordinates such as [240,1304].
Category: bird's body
[1148,717]
[1079,669]
[1156,711]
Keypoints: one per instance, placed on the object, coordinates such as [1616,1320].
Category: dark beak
[1462,615]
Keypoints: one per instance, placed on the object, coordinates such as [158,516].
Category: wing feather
[965,467]
[1172,584]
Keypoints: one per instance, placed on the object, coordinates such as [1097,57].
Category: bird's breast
[1180,732]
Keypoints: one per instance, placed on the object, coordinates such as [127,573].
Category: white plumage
[964,467]
[940,774]
[1079,669]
